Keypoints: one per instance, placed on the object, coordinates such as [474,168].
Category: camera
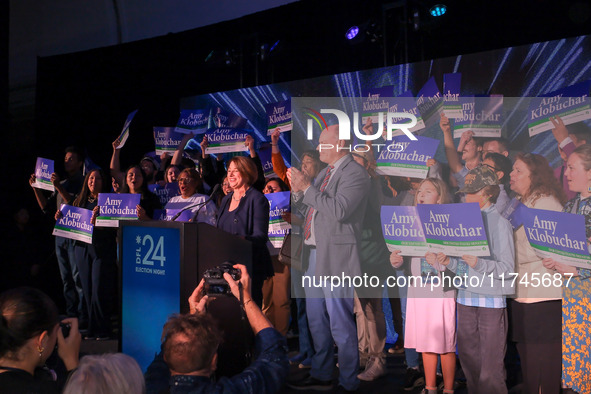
[65,327]
[215,284]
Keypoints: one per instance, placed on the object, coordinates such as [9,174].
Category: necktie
[310,215]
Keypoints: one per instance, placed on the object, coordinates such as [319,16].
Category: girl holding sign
[576,302]
[430,313]
[135,183]
[96,262]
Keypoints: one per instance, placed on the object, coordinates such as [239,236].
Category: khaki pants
[371,327]
[276,297]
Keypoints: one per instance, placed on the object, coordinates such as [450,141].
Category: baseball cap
[478,178]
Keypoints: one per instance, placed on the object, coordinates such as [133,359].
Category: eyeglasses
[185,180]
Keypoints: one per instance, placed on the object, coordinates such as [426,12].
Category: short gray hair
[106,374]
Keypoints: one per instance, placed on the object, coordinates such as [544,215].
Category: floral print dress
[576,316]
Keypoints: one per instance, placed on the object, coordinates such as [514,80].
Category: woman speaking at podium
[245,212]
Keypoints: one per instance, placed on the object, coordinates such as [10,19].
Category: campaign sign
[277,236]
[226,139]
[168,213]
[166,140]
[464,123]
[454,229]
[115,207]
[173,208]
[571,104]
[165,192]
[406,103]
[265,153]
[452,107]
[484,118]
[74,224]
[125,132]
[278,205]
[192,121]
[222,118]
[404,157]
[278,116]
[374,101]
[150,287]
[429,102]
[160,214]
[558,235]
[515,213]
[403,231]
[43,171]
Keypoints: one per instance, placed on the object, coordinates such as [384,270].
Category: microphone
[175,217]
[216,188]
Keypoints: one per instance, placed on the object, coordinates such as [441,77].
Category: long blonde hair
[441,188]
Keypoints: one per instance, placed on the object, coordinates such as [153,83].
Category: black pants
[537,330]
[97,265]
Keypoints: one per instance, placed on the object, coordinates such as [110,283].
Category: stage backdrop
[523,71]
[515,73]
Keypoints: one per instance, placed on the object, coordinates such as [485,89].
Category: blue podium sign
[150,287]
[161,264]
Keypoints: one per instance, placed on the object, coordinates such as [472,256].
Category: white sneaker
[375,368]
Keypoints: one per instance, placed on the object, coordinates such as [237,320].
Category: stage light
[230,57]
[274,46]
[352,32]
[438,9]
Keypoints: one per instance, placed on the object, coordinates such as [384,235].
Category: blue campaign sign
[452,107]
[278,116]
[150,288]
[429,102]
[571,104]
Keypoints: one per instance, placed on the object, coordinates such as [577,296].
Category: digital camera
[215,284]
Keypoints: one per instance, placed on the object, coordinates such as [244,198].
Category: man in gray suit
[334,206]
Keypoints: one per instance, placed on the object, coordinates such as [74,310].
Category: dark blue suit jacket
[251,221]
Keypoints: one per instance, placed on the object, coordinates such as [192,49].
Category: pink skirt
[430,325]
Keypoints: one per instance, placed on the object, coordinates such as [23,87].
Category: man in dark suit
[334,206]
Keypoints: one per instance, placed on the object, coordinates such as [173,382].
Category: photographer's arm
[255,316]
[257,320]
[68,348]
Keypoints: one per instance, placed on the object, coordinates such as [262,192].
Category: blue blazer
[251,221]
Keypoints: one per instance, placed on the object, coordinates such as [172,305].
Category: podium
[161,264]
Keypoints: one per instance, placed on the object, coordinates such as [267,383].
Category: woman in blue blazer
[245,212]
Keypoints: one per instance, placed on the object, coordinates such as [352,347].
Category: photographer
[190,342]
[29,331]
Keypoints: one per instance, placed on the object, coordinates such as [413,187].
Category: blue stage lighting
[274,46]
[352,32]
[438,9]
